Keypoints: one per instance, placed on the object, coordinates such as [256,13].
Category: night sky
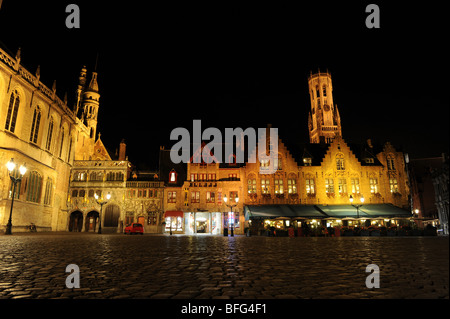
[161,66]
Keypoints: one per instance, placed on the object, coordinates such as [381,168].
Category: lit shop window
[233,219]
[174,224]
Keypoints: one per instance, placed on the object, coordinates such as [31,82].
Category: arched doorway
[91,221]
[76,221]
[112,214]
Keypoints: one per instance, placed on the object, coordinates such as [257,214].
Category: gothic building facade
[67,163]
[320,178]
[70,172]
[42,131]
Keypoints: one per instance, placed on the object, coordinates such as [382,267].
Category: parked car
[134,229]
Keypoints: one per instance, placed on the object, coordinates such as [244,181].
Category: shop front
[173,222]
[203,223]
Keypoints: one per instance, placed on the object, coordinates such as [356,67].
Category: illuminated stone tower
[90,106]
[86,108]
[324,122]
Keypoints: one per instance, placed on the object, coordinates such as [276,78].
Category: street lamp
[22,170]
[357,206]
[236,199]
[101,202]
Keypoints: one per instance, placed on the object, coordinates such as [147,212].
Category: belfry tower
[324,122]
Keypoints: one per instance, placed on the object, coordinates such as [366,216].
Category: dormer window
[369,160]
[172,176]
[307,161]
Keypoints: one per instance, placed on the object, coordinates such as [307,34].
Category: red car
[134,229]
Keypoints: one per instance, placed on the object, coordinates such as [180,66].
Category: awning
[365,211]
[345,212]
[277,211]
[173,213]
[342,211]
[307,211]
[385,211]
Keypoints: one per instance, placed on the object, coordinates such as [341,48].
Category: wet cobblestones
[115,266]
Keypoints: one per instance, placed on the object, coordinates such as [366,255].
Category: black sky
[161,66]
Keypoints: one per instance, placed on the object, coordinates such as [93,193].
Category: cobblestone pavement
[32,265]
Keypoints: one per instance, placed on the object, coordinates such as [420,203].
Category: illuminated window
[329,185]
[264,163]
[13,109]
[373,182]
[307,161]
[355,185]
[279,186]
[342,186]
[265,186]
[251,184]
[324,90]
[393,185]
[172,177]
[79,176]
[210,197]
[278,163]
[35,125]
[310,186]
[233,196]
[195,197]
[292,186]
[171,197]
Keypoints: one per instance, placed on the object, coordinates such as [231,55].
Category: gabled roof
[100,152]
[166,166]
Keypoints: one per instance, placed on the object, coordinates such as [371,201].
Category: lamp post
[236,199]
[22,170]
[357,206]
[101,202]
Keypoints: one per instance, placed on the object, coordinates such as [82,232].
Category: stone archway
[76,221]
[91,221]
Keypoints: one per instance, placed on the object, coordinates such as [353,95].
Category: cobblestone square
[115,266]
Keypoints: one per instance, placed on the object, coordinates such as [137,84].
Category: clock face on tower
[326,107]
